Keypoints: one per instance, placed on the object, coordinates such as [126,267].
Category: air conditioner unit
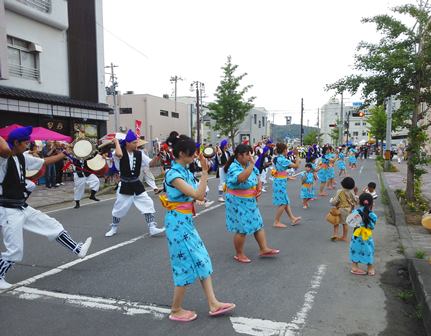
[35,47]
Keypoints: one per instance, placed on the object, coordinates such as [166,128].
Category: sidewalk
[413,238]
[43,197]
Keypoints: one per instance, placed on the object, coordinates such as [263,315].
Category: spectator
[49,150]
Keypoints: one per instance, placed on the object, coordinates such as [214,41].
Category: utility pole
[318,124]
[200,89]
[388,133]
[112,90]
[175,79]
[302,119]
[341,122]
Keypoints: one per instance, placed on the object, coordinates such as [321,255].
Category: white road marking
[257,327]
[360,170]
[63,267]
[125,307]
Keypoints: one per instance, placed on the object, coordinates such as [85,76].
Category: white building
[51,65]
[157,115]
[355,126]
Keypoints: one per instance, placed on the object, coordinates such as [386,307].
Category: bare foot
[279,225]
[323,194]
[342,238]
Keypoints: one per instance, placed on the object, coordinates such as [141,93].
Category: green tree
[398,65]
[335,131]
[377,123]
[311,138]
[230,107]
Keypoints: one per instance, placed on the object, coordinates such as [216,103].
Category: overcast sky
[290,49]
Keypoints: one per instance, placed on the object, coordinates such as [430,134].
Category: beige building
[157,115]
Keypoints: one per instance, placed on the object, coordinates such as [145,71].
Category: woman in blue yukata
[362,243]
[189,257]
[352,157]
[279,187]
[242,214]
[307,181]
[341,165]
[330,173]
[322,174]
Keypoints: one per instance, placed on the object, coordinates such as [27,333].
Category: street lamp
[200,90]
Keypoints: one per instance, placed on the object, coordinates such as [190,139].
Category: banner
[138,124]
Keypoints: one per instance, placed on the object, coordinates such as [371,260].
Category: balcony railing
[23,71]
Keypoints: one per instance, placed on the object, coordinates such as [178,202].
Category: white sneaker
[221,199]
[4,284]
[208,204]
[154,231]
[263,190]
[85,247]
[112,232]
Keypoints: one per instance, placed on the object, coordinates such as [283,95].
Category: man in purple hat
[15,214]
[222,157]
[128,160]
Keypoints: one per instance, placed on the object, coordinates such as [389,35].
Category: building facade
[157,115]
[355,126]
[52,67]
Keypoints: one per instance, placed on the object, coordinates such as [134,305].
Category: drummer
[15,214]
[129,161]
[82,175]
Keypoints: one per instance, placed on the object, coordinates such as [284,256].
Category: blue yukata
[322,174]
[352,156]
[330,173]
[279,185]
[341,165]
[362,250]
[307,190]
[189,257]
[242,214]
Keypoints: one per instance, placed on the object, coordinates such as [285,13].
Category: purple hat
[20,134]
[269,142]
[223,143]
[130,137]
[198,145]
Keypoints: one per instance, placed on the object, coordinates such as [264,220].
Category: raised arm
[5,151]
[118,151]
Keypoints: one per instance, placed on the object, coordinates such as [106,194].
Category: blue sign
[357,104]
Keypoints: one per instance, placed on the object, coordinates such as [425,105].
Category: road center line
[258,327]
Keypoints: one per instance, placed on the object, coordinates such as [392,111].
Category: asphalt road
[125,287]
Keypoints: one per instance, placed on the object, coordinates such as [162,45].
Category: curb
[419,270]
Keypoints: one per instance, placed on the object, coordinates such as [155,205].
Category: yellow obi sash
[307,185]
[324,165]
[363,232]
[182,207]
[245,193]
[279,174]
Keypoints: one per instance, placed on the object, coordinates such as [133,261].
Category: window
[364,124]
[357,124]
[41,5]
[255,119]
[23,62]
[260,124]
[164,113]
[364,133]
[175,114]
[126,110]
[263,121]
[355,133]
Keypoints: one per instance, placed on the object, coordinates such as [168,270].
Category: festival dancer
[222,156]
[15,214]
[307,190]
[279,188]
[129,161]
[352,157]
[188,255]
[322,172]
[82,175]
[341,165]
[242,214]
[330,173]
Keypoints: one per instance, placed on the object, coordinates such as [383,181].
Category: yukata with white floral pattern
[189,257]
[242,214]
[279,191]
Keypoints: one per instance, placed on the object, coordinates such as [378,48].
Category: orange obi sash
[186,208]
[279,174]
[324,165]
[307,185]
[245,193]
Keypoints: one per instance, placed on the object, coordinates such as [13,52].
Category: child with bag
[362,244]
[344,200]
